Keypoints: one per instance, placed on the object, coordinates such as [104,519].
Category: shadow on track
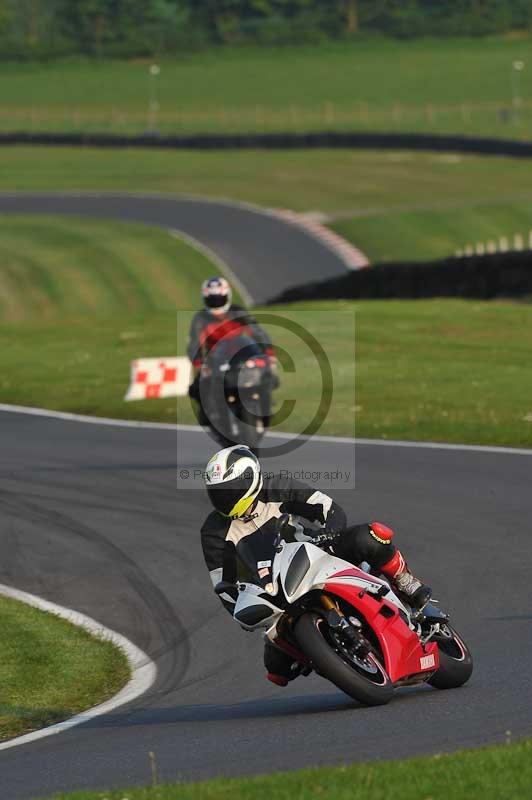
[263,708]
[249,709]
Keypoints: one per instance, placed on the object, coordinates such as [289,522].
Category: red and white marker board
[159,377]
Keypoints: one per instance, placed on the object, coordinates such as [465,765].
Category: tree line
[50,28]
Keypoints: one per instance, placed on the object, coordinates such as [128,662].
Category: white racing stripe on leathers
[323,500]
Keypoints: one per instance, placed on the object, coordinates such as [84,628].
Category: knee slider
[382,533]
[374,543]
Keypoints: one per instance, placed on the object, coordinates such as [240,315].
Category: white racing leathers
[307,507]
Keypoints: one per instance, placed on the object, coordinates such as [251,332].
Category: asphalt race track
[91,519]
[252,243]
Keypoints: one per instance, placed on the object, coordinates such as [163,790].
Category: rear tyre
[456,663]
[373,688]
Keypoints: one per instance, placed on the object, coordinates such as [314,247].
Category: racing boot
[416,594]
[280,667]
[410,588]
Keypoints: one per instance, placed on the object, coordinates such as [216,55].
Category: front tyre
[456,663]
[365,679]
[252,429]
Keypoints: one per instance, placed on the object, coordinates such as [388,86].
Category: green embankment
[446,365]
[79,299]
[51,669]
[495,773]
[51,267]
[391,204]
[346,182]
[455,85]
[428,234]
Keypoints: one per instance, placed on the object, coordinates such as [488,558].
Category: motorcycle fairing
[320,567]
[253,610]
[404,655]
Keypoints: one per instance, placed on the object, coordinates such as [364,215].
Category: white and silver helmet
[233,478]
[217,295]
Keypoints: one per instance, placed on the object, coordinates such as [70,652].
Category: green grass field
[495,773]
[54,266]
[429,234]
[454,85]
[447,364]
[51,669]
[393,205]
[337,182]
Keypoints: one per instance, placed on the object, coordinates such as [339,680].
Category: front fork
[347,629]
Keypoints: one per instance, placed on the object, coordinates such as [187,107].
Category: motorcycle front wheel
[364,679]
[456,663]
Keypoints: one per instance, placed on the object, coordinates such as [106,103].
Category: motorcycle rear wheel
[310,630]
[456,663]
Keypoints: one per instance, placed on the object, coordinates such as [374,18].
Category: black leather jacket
[206,329]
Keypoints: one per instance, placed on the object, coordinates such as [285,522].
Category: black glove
[228,588]
[336,521]
[323,539]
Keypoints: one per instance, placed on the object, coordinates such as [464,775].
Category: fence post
[397,114]
[329,113]
[294,116]
[466,114]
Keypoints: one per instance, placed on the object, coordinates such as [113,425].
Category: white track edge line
[143,669]
[170,426]
[117,423]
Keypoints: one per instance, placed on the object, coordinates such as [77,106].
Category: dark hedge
[482,277]
[280,141]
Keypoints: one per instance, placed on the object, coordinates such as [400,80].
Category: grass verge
[423,235]
[55,266]
[458,85]
[51,669]
[393,205]
[494,773]
[350,182]
[83,298]
[443,370]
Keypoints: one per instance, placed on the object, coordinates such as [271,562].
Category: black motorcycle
[235,386]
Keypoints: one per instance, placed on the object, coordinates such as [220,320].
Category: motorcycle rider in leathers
[222,319]
[246,503]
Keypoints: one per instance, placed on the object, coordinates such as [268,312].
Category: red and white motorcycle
[345,623]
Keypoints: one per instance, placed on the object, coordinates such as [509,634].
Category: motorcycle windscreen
[232,350]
